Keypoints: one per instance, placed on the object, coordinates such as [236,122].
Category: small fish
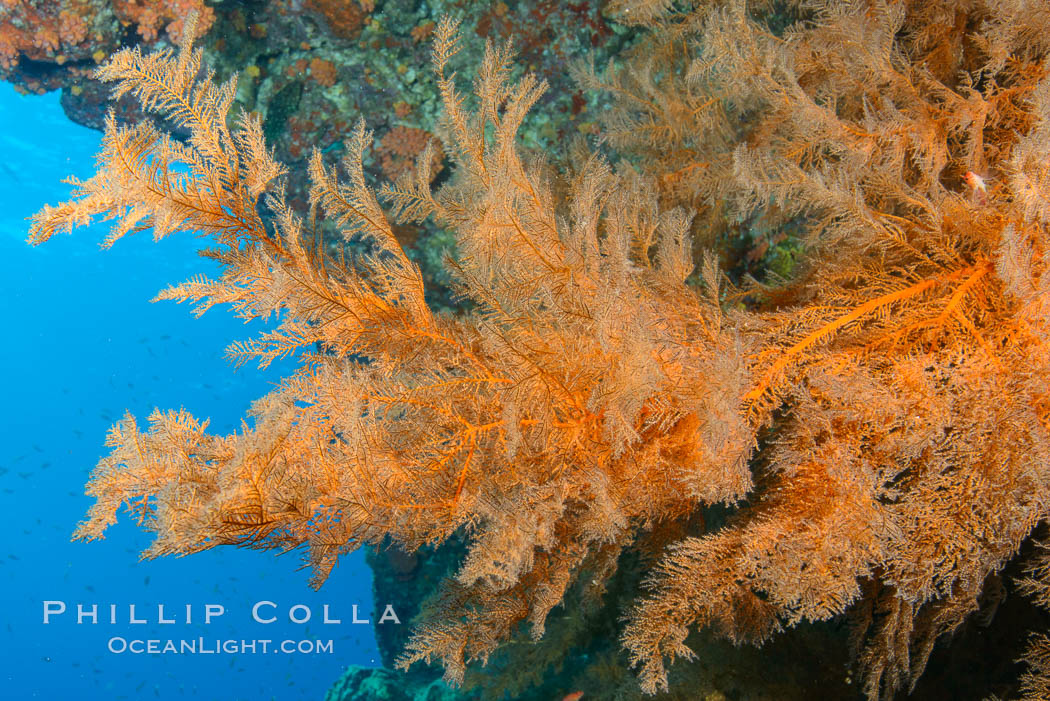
[574,696]
[10,172]
[975,181]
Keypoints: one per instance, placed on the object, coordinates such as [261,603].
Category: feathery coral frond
[897,375]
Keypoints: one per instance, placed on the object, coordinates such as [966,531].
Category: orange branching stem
[829,329]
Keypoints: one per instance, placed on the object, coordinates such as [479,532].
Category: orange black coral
[900,379]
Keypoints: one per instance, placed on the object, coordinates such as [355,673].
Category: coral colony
[872,415]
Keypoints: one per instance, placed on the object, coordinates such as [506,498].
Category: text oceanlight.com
[202,646]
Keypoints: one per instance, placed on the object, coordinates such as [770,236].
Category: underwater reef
[760,375]
[308,67]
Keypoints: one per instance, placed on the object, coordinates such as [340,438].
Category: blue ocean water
[82,344]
